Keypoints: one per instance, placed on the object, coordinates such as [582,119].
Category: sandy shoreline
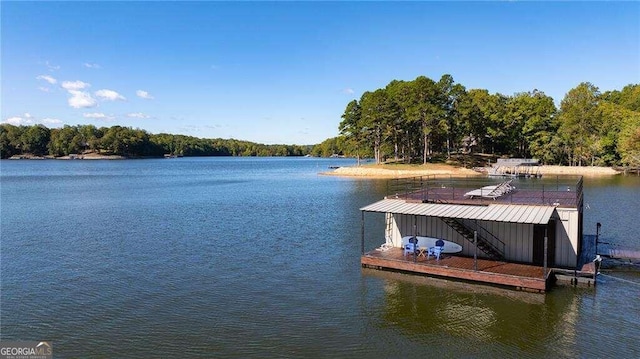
[379,172]
[89,156]
[92,157]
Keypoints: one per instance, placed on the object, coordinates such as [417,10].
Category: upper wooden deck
[561,192]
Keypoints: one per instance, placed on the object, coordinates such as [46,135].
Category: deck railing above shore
[557,191]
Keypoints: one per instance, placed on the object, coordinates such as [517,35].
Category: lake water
[260,257]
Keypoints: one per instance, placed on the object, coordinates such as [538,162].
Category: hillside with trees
[415,121]
[39,140]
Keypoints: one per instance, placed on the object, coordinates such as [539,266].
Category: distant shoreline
[377,171]
[385,172]
[94,156]
[89,156]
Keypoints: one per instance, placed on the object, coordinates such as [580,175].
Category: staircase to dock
[483,243]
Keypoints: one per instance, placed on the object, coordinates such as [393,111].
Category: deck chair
[492,192]
[436,250]
[411,247]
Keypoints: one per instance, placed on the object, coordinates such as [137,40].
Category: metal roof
[493,212]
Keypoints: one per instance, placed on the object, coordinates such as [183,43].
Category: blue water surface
[259,257]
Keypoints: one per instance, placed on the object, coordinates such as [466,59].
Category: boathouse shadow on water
[433,310]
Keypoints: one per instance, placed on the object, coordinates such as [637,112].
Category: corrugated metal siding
[518,237]
[513,224]
[495,212]
[567,237]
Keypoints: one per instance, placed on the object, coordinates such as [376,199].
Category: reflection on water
[421,306]
[502,322]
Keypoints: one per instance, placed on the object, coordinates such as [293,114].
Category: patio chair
[411,247]
[436,250]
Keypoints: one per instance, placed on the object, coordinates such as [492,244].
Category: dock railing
[557,191]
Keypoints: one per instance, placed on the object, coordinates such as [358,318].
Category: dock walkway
[519,276]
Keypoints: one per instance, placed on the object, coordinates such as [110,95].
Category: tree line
[413,121]
[407,121]
[39,140]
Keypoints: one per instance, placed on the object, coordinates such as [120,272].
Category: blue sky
[283,72]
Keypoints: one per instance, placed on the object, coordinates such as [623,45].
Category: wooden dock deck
[518,276]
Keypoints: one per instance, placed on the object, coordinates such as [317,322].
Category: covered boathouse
[512,234]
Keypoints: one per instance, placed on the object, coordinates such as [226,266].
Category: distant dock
[619,253]
[515,167]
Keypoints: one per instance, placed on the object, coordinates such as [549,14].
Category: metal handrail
[503,245]
[443,188]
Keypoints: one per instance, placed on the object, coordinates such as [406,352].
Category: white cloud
[144,94]
[138,115]
[81,99]
[44,89]
[52,67]
[74,85]
[109,95]
[17,121]
[25,119]
[90,65]
[348,91]
[47,78]
[51,121]
[78,99]
[94,115]
[98,116]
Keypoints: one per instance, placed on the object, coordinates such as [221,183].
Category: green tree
[628,97]
[426,110]
[35,140]
[451,94]
[628,145]
[90,137]
[482,117]
[10,143]
[352,129]
[377,111]
[580,121]
[531,124]
[330,146]
[65,141]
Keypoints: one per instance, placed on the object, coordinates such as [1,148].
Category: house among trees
[467,144]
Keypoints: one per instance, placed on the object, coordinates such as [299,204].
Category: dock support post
[598,225]
[362,233]
[475,251]
[415,236]
[546,249]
